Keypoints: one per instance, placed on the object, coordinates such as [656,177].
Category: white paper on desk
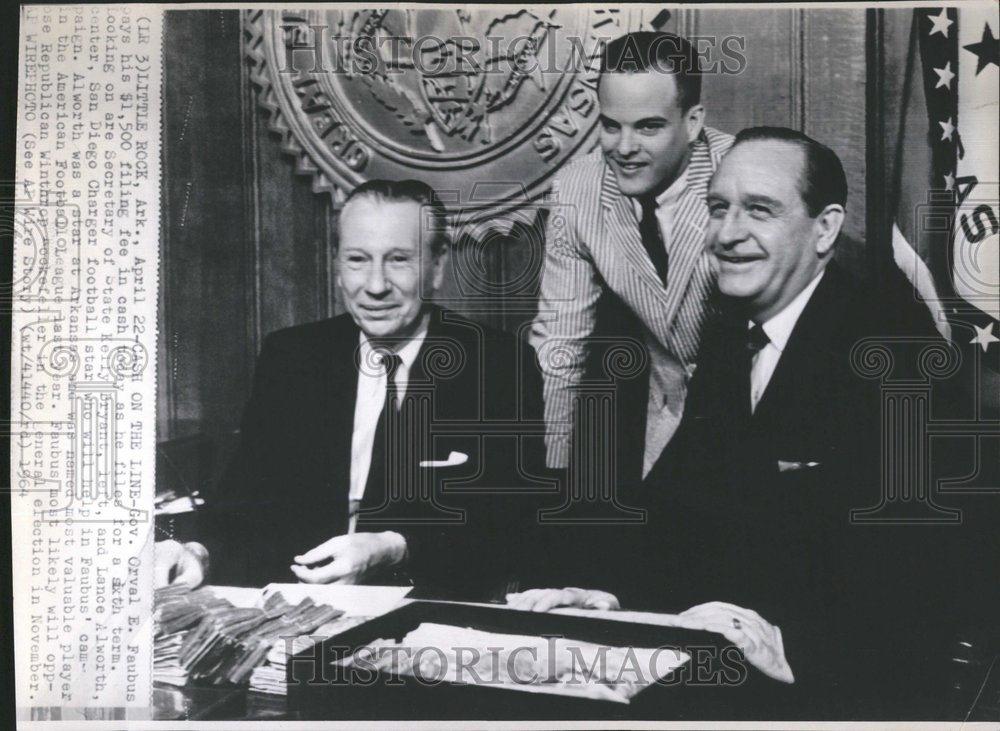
[564,666]
[355,601]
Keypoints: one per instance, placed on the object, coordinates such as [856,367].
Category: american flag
[944,176]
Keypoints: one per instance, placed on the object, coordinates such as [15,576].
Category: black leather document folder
[715,683]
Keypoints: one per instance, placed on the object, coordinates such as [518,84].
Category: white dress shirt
[368,407]
[778,329]
[666,207]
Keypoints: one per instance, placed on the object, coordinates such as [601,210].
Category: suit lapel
[337,371]
[685,245]
[807,348]
[687,242]
[622,228]
[432,341]
[423,399]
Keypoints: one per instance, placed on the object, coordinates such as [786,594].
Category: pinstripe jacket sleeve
[593,243]
[566,314]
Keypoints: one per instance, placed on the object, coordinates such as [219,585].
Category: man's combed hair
[434,216]
[660,52]
[823,182]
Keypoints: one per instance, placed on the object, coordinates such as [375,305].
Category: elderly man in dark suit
[384,444]
[751,503]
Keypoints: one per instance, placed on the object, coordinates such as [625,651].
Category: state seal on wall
[484,105]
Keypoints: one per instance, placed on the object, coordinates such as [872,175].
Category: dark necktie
[652,240]
[757,339]
[382,457]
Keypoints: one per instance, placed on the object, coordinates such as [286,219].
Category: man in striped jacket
[630,219]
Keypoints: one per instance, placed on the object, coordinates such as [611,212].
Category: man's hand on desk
[351,557]
[759,640]
[542,600]
[177,563]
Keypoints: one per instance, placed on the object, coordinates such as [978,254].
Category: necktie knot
[757,339]
[648,204]
[390,362]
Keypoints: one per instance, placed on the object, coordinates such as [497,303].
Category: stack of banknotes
[201,637]
[271,676]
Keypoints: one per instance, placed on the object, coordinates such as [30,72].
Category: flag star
[987,50]
[984,336]
[940,23]
[945,76]
[947,129]
[949,182]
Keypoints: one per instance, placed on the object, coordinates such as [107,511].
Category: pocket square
[784,466]
[454,459]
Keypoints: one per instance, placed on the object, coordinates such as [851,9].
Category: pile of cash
[200,637]
[271,676]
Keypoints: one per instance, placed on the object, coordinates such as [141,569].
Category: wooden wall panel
[521,264]
[767,90]
[292,242]
[472,269]
[806,70]
[833,91]
[495,279]
[246,243]
[204,316]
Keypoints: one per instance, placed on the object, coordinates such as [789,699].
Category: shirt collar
[673,192]
[407,354]
[671,195]
[779,327]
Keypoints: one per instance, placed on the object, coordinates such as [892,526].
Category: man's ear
[694,120]
[827,227]
[337,268]
[437,273]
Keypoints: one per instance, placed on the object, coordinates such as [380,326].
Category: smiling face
[644,133]
[768,246]
[385,271]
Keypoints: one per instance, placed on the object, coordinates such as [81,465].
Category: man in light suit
[751,503]
[361,455]
[629,227]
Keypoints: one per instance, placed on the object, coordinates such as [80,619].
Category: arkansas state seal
[484,105]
